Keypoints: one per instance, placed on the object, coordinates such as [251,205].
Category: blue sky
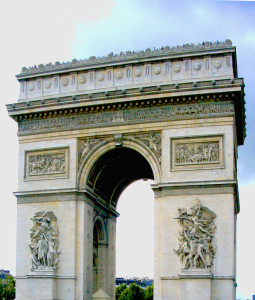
[34,33]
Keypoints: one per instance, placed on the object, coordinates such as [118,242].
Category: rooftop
[126,56]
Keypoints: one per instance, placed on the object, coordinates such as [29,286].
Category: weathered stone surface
[88,131]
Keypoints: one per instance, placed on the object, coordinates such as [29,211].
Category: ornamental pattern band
[125,116]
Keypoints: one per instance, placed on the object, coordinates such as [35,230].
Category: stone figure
[153,141]
[44,241]
[43,164]
[204,152]
[196,246]
[86,146]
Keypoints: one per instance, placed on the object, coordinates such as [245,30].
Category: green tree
[133,292]
[7,288]
[119,290]
[149,293]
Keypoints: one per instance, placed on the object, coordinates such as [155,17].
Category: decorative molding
[139,115]
[46,164]
[194,152]
[44,243]
[196,239]
[151,140]
[126,56]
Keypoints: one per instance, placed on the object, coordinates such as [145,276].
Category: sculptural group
[44,241]
[196,238]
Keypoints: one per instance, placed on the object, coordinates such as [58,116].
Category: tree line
[7,288]
[133,292]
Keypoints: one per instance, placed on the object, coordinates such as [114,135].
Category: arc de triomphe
[89,128]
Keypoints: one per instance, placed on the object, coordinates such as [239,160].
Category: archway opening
[108,178]
[99,249]
[135,232]
[115,170]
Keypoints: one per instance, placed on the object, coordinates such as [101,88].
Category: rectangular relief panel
[46,164]
[192,153]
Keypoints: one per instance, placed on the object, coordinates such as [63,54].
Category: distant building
[143,282]
[4,273]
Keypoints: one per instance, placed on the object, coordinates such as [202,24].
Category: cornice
[127,57]
[193,185]
[123,95]
[107,108]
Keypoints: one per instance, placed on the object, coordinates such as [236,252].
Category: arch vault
[88,129]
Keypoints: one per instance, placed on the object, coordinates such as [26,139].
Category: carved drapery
[196,238]
[44,238]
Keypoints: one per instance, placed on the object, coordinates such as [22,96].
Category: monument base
[42,284]
[195,273]
[195,284]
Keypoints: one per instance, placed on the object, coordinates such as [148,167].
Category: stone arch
[104,146]
[99,254]
[99,229]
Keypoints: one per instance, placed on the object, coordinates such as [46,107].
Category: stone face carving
[157,70]
[65,81]
[44,242]
[138,72]
[82,79]
[197,66]
[47,84]
[125,116]
[119,74]
[217,64]
[100,77]
[46,162]
[194,153]
[196,238]
[31,87]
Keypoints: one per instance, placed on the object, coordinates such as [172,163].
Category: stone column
[111,257]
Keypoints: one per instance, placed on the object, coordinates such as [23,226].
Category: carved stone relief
[192,152]
[196,239]
[46,163]
[153,141]
[44,238]
[85,146]
[197,153]
[125,116]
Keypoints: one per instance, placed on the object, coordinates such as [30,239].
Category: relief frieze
[196,151]
[124,116]
[46,163]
